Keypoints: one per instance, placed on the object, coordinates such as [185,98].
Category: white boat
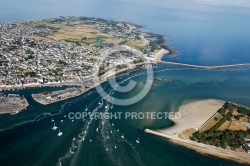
[111,132]
[102,123]
[118,130]
[72,121]
[137,141]
[90,140]
[65,116]
[115,147]
[83,138]
[99,103]
[52,120]
[59,133]
[112,124]
[107,149]
[13,113]
[96,129]
[74,139]
[54,127]
[122,136]
[61,120]
[106,106]
[108,137]
[86,109]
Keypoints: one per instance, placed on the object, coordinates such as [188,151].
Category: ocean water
[204,33]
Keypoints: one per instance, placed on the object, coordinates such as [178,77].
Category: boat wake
[77,142]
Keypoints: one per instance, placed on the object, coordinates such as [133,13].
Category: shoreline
[160,54]
[194,114]
[101,79]
[15,105]
[55,84]
[194,117]
[239,157]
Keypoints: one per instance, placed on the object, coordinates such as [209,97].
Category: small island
[212,127]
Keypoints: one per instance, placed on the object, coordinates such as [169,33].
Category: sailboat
[54,127]
[52,120]
[59,133]
[137,141]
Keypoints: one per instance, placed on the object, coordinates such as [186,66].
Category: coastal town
[64,50]
[69,51]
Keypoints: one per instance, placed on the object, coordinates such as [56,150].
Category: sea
[203,32]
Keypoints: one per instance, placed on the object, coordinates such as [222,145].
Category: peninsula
[212,127]
[71,51]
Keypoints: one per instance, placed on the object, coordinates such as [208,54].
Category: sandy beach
[194,115]
[159,54]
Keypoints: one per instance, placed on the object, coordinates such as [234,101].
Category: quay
[12,103]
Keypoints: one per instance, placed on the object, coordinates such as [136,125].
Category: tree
[222,111]
[223,145]
[237,117]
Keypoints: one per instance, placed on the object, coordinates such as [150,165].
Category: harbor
[49,97]
[12,104]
